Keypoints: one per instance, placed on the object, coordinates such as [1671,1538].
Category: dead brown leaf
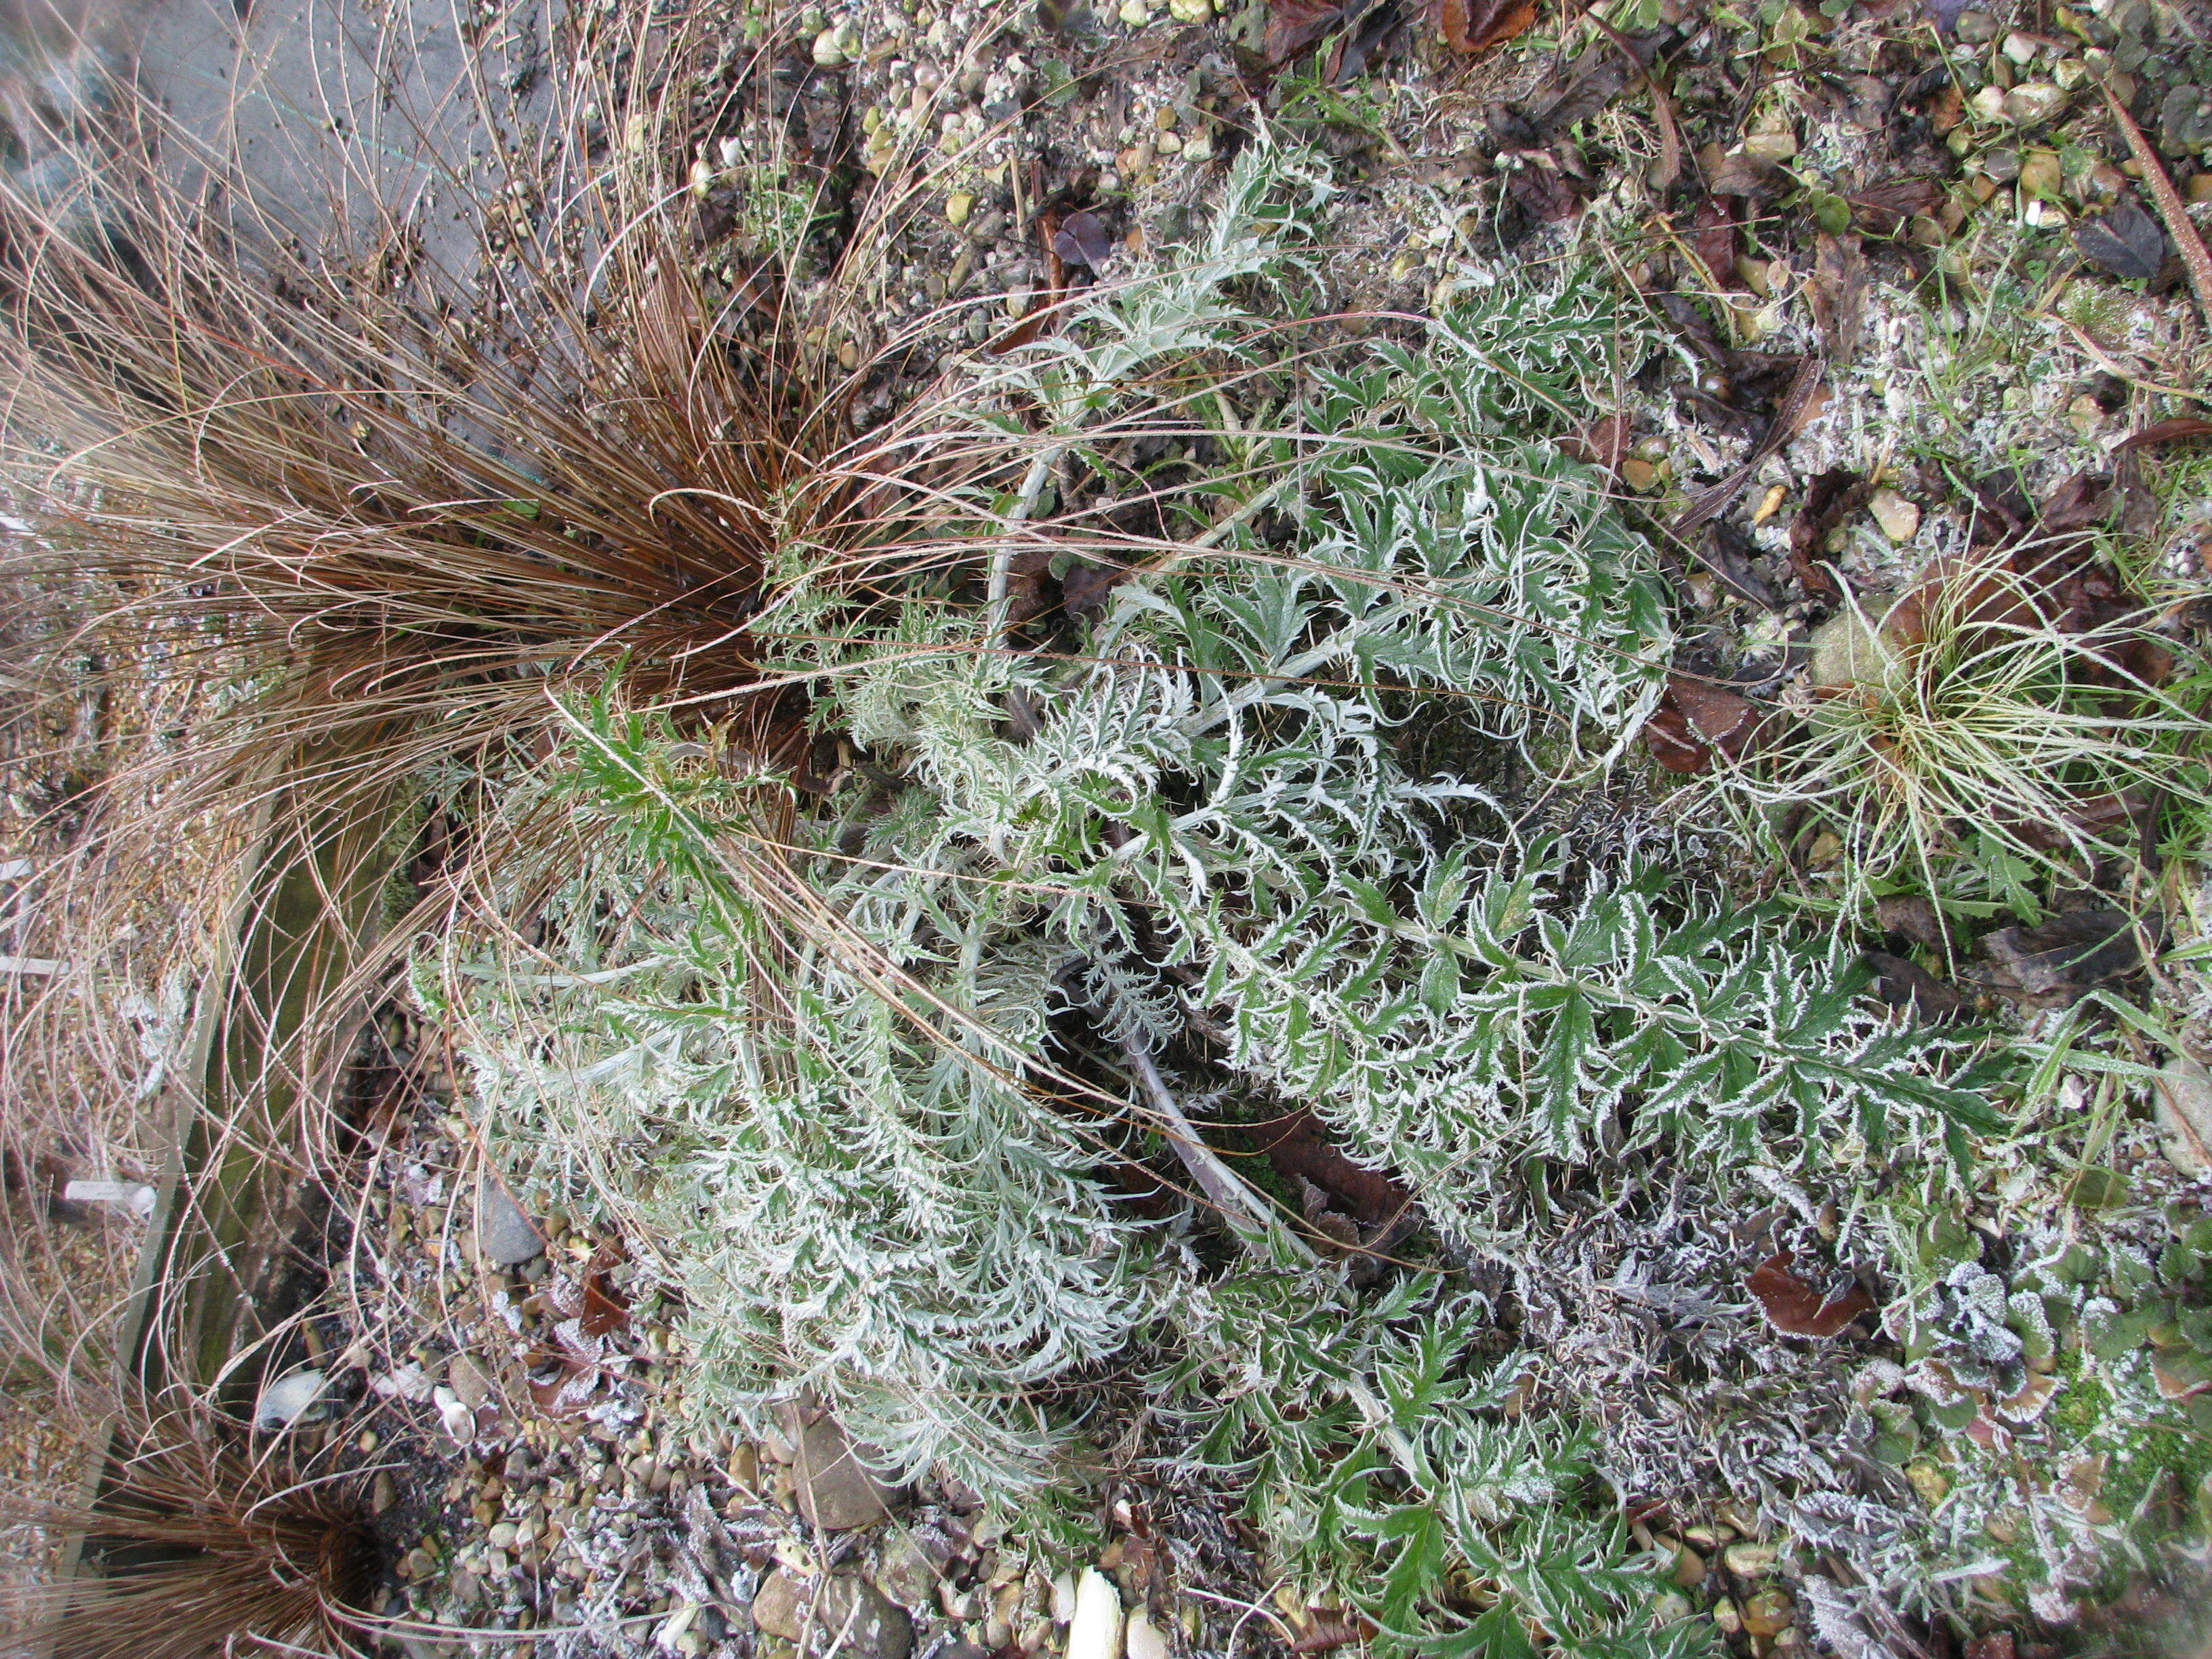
[1837,295]
[1799,404]
[1602,443]
[1029,576]
[1473,26]
[1885,209]
[1295,25]
[1914,916]
[1085,585]
[1331,1630]
[1696,721]
[1831,497]
[2053,964]
[1714,243]
[2166,431]
[602,1310]
[1741,175]
[1797,1308]
[1901,983]
[1298,1145]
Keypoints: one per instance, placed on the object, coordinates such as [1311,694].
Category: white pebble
[1144,1640]
[1095,1632]
[288,1400]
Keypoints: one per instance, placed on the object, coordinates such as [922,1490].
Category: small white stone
[1190,11]
[1143,1638]
[1063,1598]
[829,50]
[288,1400]
[673,1628]
[1095,1632]
[459,1421]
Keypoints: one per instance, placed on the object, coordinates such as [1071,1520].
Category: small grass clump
[197,1546]
[1977,725]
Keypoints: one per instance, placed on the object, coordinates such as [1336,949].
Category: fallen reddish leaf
[1803,400]
[604,1310]
[1473,26]
[1028,573]
[2049,575]
[1331,1630]
[2081,502]
[1695,720]
[1082,239]
[1988,1435]
[1297,1145]
[1902,983]
[1714,243]
[1837,295]
[1542,189]
[1602,443]
[1797,1308]
[1295,25]
[1085,587]
[1886,208]
[2166,431]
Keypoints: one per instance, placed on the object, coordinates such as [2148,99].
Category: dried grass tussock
[198,1548]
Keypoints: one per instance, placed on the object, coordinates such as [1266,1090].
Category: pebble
[829,50]
[1975,28]
[459,1420]
[1750,1560]
[1768,1613]
[289,1400]
[1143,1638]
[505,1236]
[2199,188]
[1095,1632]
[958,207]
[1899,519]
[913,1566]
[847,1612]
[2033,102]
[836,1491]
[467,1381]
